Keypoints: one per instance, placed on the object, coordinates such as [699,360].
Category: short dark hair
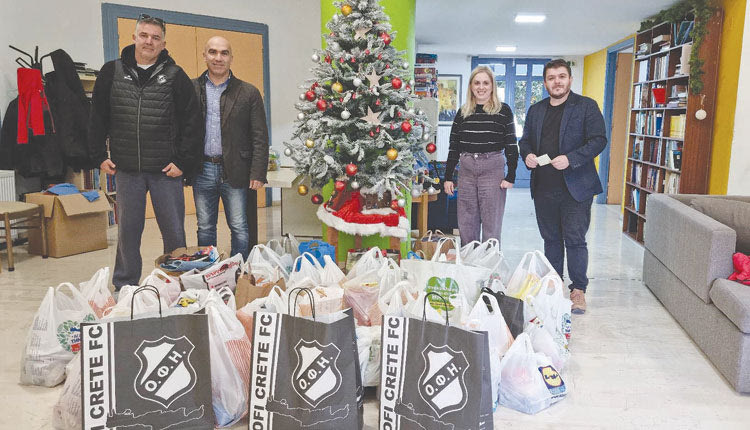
[148,19]
[554,64]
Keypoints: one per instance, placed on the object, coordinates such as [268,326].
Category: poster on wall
[449,95]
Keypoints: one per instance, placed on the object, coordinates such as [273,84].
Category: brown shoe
[578,297]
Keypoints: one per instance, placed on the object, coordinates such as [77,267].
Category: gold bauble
[346,10]
[309,143]
[392,154]
[302,190]
[337,87]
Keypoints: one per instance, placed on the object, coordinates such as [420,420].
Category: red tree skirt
[351,219]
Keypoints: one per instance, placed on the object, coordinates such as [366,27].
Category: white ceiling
[573,27]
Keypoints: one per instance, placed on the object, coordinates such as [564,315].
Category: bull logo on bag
[441,384]
[166,373]
[316,376]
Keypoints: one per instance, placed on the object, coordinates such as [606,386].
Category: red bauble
[398,114]
[377,130]
[386,38]
[339,186]
[310,95]
[351,169]
[394,205]
[315,84]
[393,126]
[328,59]
[321,104]
[341,60]
[372,134]
[380,56]
[317,199]
[354,96]
[367,52]
[377,102]
[396,83]
[387,66]
[406,126]
[430,148]
[354,60]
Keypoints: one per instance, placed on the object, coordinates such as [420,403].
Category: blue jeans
[207,189]
[563,223]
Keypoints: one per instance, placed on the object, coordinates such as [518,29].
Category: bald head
[218,56]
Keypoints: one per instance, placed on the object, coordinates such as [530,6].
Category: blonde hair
[492,106]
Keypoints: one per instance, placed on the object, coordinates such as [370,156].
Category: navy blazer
[583,136]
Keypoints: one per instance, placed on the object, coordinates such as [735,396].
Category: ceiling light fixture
[530,19]
[505,48]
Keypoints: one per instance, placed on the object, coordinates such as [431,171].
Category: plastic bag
[529,382]
[96,291]
[168,286]
[307,270]
[142,304]
[525,280]
[285,258]
[54,336]
[368,345]
[266,265]
[66,414]
[222,274]
[246,314]
[393,301]
[230,362]
[330,274]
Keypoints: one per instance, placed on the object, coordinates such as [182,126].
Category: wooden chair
[31,216]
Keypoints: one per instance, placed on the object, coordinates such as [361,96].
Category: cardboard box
[180,251]
[74,225]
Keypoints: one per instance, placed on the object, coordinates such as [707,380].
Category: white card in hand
[543,160]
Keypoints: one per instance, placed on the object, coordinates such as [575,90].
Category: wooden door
[619,135]
[181,44]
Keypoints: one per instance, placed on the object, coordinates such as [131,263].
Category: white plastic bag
[54,336]
[526,278]
[368,345]
[330,275]
[230,362]
[168,286]
[222,274]
[529,382]
[66,414]
[96,291]
[266,265]
[553,309]
[145,302]
[307,271]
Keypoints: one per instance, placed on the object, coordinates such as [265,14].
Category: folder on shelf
[660,95]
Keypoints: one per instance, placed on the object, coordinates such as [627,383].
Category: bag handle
[300,290]
[424,309]
[272,255]
[141,289]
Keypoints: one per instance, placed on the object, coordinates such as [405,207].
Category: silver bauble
[426,136]
[431,190]
[356,82]
[345,114]
[416,192]
[301,116]
[405,65]
[401,203]
[354,185]
[411,111]
[302,96]
[287,152]
[335,18]
[420,112]
[412,82]
[315,57]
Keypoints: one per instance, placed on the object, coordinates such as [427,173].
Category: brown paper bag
[248,289]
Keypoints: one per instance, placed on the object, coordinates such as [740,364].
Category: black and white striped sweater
[481,132]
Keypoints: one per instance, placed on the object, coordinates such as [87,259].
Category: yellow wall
[726,94]
[594,73]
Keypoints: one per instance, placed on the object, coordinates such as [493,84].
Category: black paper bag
[305,374]
[147,373]
[434,376]
[512,310]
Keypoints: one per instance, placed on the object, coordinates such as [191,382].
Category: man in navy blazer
[561,137]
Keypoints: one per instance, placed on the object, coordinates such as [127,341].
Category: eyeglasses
[152,19]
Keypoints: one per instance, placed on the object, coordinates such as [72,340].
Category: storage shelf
[634,185]
[658,108]
[662,52]
[657,137]
[669,169]
[634,212]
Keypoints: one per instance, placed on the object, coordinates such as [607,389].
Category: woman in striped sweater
[482,130]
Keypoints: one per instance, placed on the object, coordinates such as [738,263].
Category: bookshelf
[669,150]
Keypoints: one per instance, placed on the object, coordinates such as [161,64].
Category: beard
[565,92]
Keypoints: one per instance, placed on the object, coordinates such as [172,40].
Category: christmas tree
[357,127]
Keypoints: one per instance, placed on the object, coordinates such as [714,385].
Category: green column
[401,14]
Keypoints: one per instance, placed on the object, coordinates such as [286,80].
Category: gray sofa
[687,258]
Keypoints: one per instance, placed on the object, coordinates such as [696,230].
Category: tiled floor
[632,365]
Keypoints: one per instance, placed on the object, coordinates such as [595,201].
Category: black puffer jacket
[150,122]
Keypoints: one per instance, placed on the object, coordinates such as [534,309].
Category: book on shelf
[660,95]
[635,176]
[682,33]
[637,148]
[677,126]
[673,154]
[671,182]
[652,177]
[684,66]
[678,97]
[636,193]
[643,70]
[661,67]
[643,48]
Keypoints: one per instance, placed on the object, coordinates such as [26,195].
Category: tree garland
[702,10]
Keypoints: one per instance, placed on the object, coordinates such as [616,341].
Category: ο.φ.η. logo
[166,373]
[442,383]
[316,376]
[161,79]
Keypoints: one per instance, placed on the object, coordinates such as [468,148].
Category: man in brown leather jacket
[235,150]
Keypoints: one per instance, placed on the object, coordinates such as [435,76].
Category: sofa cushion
[733,299]
[732,213]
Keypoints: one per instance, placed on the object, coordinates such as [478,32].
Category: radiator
[7,194]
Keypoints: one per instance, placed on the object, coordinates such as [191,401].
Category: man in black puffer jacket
[145,104]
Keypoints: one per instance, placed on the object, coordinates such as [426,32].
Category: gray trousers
[481,201]
[168,201]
